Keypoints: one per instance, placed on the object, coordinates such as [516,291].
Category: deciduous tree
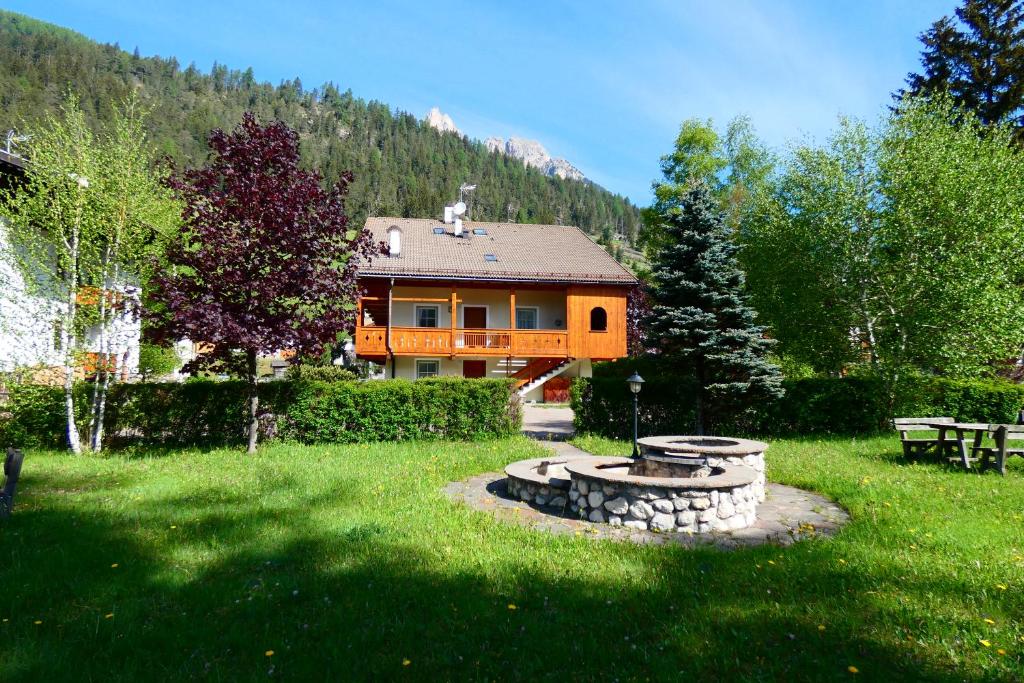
[54,228]
[734,165]
[899,245]
[266,259]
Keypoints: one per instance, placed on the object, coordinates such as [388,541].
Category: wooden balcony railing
[372,341]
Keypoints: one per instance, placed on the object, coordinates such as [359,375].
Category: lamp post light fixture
[635,383]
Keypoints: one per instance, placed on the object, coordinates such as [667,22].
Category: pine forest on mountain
[401,166]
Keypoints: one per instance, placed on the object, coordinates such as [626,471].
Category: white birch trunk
[68,341]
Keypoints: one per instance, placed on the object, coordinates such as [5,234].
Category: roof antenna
[13,138]
[463,189]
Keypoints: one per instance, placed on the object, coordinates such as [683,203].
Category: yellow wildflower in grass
[989,621]
[174,526]
[268,653]
[821,627]
[108,616]
[406,662]
[1000,586]
[852,669]
[511,606]
[771,561]
[114,566]
[985,643]
[842,561]
[1001,652]
[37,622]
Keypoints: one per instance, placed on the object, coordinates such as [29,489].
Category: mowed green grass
[348,562]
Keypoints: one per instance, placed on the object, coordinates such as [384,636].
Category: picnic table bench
[915,446]
[1001,433]
[964,453]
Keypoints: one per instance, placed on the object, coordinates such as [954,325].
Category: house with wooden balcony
[537,303]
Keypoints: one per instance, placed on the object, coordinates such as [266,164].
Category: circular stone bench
[527,483]
[602,490]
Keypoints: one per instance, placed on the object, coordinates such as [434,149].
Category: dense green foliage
[402,167]
[978,58]
[399,410]
[348,561]
[734,164]
[210,413]
[815,405]
[700,318]
[157,361]
[320,373]
[898,246]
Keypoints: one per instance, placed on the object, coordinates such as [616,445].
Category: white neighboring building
[29,322]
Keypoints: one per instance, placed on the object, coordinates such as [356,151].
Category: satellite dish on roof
[460,208]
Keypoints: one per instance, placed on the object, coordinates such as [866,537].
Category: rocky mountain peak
[530,152]
[438,120]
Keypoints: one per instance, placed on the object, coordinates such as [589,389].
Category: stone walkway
[547,424]
[787,515]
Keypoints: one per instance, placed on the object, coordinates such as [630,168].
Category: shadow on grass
[367,602]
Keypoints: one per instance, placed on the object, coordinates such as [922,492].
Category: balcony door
[474,317]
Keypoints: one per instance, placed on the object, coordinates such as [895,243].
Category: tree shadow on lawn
[368,601]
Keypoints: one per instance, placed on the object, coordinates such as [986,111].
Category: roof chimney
[458,227]
[394,241]
[449,214]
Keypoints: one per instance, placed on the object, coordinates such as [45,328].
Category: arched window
[598,320]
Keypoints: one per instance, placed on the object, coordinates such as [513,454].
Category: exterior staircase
[539,371]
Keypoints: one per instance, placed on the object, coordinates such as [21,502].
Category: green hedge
[442,408]
[852,405]
[211,413]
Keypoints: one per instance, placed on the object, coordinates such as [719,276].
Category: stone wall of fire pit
[718,451]
[540,481]
[602,490]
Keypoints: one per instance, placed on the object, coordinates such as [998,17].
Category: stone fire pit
[668,455]
[692,484]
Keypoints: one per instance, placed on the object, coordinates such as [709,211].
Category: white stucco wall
[405,368]
[26,320]
[125,334]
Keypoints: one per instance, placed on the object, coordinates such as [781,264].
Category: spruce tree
[978,59]
[700,319]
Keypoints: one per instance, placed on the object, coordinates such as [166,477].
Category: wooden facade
[571,321]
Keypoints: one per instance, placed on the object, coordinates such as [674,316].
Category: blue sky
[603,84]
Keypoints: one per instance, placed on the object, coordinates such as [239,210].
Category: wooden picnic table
[961,429]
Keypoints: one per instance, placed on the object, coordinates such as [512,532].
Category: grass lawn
[347,562]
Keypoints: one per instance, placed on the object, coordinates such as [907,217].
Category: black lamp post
[635,382]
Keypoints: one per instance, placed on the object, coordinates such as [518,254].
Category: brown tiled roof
[523,252]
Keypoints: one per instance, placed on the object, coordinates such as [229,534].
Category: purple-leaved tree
[265,259]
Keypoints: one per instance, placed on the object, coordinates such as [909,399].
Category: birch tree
[53,225]
[898,246]
[138,213]
[85,229]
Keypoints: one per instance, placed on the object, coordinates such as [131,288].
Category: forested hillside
[402,166]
